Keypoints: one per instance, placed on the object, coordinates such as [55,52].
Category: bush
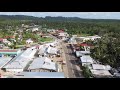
[86,72]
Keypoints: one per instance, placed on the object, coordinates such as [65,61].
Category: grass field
[46,39]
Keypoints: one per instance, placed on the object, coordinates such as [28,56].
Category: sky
[91,15]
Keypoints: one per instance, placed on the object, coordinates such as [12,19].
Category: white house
[35,29]
[86,60]
[52,51]
[29,41]
[81,53]
[63,35]
[100,73]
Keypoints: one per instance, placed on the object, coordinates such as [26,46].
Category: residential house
[35,29]
[29,41]
[82,53]
[86,60]
[99,70]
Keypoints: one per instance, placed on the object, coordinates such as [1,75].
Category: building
[52,51]
[81,53]
[4,61]
[9,52]
[100,73]
[86,60]
[29,41]
[100,67]
[99,70]
[42,51]
[63,35]
[19,63]
[43,64]
[35,29]
[39,75]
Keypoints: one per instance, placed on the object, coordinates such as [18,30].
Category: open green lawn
[45,39]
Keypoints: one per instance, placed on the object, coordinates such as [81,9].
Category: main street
[72,68]
[73,65]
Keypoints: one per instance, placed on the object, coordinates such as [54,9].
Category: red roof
[60,31]
[7,50]
[1,39]
[84,44]
[9,36]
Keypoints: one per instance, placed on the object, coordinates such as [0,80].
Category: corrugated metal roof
[40,75]
[52,50]
[86,59]
[4,60]
[22,60]
[98,67]
[43,62]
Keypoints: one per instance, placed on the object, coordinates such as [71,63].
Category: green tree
[107,49]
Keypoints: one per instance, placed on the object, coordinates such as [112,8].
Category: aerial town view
[59,44]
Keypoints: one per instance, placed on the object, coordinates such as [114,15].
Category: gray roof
[40,75]
[4,60]
[86,59]
[21,61]
[52,50]
[42,50]
[44,63]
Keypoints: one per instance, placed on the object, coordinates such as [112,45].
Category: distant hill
[52,19]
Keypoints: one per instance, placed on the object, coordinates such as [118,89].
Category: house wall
[14,70]
[39,70]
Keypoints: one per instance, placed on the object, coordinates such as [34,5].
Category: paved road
[73,63]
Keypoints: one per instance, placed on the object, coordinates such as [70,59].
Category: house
[81,53]
[4,61]
[100,67]
[39,75]
[5,41]
[43,64]
[9,52]
[35,29]
[29,41]
[99,70]
[100,73]
[63,35]
[19,63]
[86,60]
[42,51]
[52,51]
